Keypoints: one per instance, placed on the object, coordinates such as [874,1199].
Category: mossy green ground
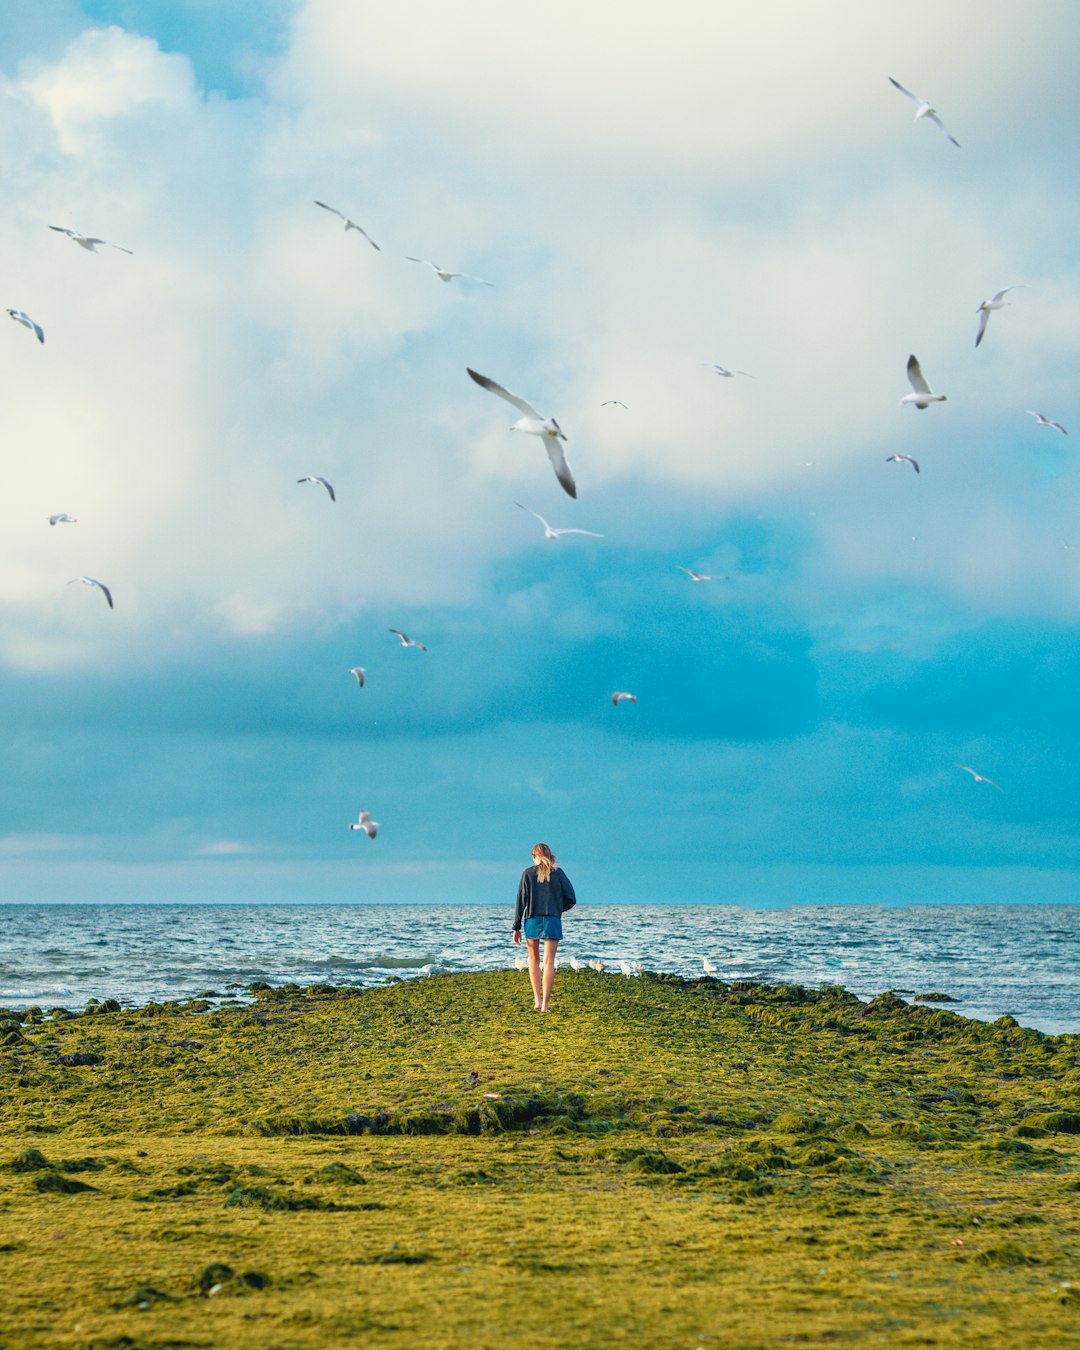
[658,1163]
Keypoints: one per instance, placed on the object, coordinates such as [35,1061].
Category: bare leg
[533,945]
[550,944]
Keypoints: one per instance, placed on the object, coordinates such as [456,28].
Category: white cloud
[648,196]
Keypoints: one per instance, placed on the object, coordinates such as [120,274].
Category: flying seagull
[699,576]
[924,109]
[979,778]
[62,518]
[621,694]
[87,241]
[20,316]
[534,425]
[996,301]
[407,641]
[923,395]
[359,672]
[616,402]
[314,478]
[1045,421]
[350,224]
[365,823]
[444,275]
[92,581]
[549,533]
[903,459]
[725,373]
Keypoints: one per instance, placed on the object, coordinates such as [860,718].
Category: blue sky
[716,184]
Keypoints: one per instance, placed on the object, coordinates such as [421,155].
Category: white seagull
[87,241]
[903,459]
[314,478]
[597,965]
[699,576]
[710,969]
[725,373]
[924,109]
[1045,421]
[996,301]
[550,533]
[534,425]
[359,672]
[365,823]
[350,224]
[92,581]
[923,395]
[979,778]
[407,641]
[62,518]
[620,695]
[20,316]
[444,275]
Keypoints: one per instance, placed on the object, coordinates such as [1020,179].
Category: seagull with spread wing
[1045,421]
[444,275]
[621,696]
[903,459]
[365,823]
[996,301]
[87,241]
[20,316]
[93,581]
[978,777]
[550,533]
[314,478]
[359,672]
[407,641]
[699,576]
[922,395]
[924,109]
[62,518]
[350,224]
[534,424]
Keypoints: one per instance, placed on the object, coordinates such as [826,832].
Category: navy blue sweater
[536,897]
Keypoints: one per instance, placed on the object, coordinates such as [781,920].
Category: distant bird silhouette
[621,695]
[1045,421]
[978,777]
[20,316]
[92,581]
[314,478]
[903,459]
[407,641]
[88,241]
[350,224]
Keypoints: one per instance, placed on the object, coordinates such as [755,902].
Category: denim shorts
[544,926]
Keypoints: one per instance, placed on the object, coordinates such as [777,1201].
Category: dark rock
[78,1059]
[935,998]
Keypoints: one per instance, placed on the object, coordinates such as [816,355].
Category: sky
[738,185]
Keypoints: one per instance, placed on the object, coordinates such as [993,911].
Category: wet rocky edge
[325,1164]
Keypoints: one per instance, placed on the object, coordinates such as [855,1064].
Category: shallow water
[1018,959]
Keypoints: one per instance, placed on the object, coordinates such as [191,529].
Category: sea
[1023,960]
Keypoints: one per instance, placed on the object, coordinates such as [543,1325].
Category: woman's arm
[522,900]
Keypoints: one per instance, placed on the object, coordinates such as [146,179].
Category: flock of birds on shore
[547,429]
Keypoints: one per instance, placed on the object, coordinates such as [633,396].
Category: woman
[543,893]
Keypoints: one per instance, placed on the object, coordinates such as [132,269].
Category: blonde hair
[545,861]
